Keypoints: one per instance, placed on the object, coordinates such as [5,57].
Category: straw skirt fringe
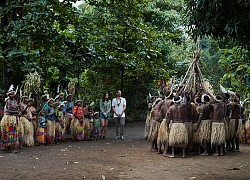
[218,134]
[247,125]
[232,128]
[28,132]
[153,130]
[178,135]
[162,134]
[205,130]
[147,125]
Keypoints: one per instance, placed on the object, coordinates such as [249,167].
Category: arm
[109,107]
[101,107]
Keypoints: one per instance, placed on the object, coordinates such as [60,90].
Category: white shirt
[119,104]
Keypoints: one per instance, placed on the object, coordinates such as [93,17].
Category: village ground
[118,159]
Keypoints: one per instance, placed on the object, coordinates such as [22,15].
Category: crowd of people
[212,124]
[54,120]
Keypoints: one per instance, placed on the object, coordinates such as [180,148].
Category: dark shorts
[103,117]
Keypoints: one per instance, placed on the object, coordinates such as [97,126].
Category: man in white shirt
[119,107]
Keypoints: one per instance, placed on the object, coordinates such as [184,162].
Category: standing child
[90,119]
[86,123]
[96,129]
[41,131]
[77,125]
[59,129]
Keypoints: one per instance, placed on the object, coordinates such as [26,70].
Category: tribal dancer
[204,123]
[178,135]
[9,122]
[218,138]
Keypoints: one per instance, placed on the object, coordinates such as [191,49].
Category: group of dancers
[53,121]
[212,124]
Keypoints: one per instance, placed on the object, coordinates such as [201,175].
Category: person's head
[30,101]
[55,104]
[69,97]
[60,107]
[11,94]
[119,93]
[51,102]
[96,115]
[42,112]
[78,103]
[219,99]
[45,97]
[205,98]
[153,98]
[177,99]
[105,96]
[61,95]
[197,100]
[24,99]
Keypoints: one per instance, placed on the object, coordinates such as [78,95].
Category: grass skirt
[247,125]
[28,136]
[9,131]
[147,125]
[77,129]
[178,136]
[59,131]
[87,129]
[196,138]
[50,134]
[205,130]
[20,130]
[189,127]
[218,133]
[233,132]
[153,130]
[162,134]
[68,120]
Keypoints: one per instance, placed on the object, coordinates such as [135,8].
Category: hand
[105,114]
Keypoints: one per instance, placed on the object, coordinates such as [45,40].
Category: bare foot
[204,154]
[153,150]
[171,156]
[166,155]
[215,154]
[184,156]
[236,150]
[160,152]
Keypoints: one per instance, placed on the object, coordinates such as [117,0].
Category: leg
[205,148]
[222,149]
[237,140]
[216,150]
[106,126]
[159,148]
[117,122]
[184,152]
[102,127]
[172,155]
[154,146]
[165,149]
[121,127]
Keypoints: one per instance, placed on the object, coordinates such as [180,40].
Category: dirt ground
[118,159]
